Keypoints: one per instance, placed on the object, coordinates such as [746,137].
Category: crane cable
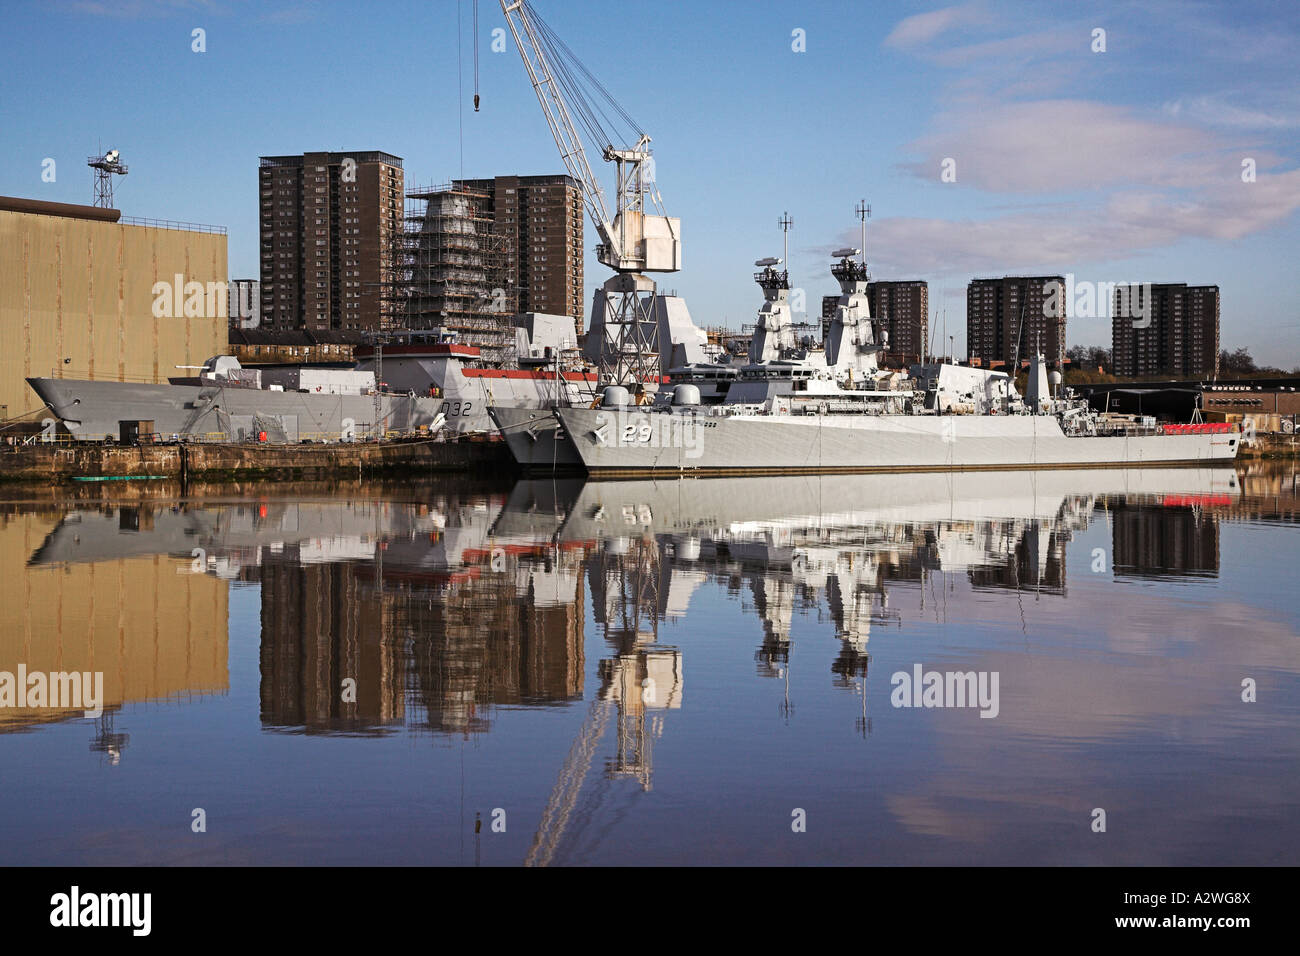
[460,85]
[475,38]
[572,74]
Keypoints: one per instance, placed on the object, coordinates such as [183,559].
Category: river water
[1084,667]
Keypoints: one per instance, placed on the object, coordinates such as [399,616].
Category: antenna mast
[864,213]
[785,222]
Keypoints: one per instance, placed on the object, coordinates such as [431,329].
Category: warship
[801,408]
[414,381]
[777,438]
[227,400]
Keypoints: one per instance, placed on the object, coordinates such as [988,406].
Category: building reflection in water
[430,614]
[321,627]
[1181,539]
[426,612]
[156,635]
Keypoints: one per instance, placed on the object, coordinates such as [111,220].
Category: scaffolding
[453,272]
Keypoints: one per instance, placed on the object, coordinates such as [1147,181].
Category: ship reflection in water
[539,637]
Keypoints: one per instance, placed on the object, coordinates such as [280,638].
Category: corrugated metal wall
[80,289]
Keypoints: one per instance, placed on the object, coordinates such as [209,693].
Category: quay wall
[63,463]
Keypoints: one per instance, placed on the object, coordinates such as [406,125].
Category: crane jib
[631,240]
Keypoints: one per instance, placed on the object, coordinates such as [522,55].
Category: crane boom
[631,240]
[555,817]
[557,116]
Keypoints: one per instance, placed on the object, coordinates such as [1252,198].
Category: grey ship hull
[87,535]
[92,411]
[535,438]
[628,443]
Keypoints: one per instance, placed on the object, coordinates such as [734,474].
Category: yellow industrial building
[80,297]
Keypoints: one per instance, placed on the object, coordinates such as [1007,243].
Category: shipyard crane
[622,336]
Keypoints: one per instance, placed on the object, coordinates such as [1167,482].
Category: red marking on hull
[1202,428]
[1186,501]
[478,555]
[525,374]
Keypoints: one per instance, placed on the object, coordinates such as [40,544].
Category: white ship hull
[627,442]
[778,505]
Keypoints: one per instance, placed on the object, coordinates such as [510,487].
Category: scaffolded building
[454,272]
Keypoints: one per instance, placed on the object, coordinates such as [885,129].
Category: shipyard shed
[1269,405]
[78,300]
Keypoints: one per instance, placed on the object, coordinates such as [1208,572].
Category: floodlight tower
[105,167]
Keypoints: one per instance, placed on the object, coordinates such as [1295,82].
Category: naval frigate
[799,408]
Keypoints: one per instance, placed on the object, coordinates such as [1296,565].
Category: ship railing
[1127,431]
[68,372]
[362,434]
[15,442]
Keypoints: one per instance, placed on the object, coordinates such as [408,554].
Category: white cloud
[1127,224]
[1155,182]
[1013,50]
[1214,111]
[1067,145]
[923,27]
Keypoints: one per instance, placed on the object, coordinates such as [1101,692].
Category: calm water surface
[659,673]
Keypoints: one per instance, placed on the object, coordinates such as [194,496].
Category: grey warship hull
[535,439]
[93,411]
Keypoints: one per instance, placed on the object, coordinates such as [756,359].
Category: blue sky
[1122,165]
